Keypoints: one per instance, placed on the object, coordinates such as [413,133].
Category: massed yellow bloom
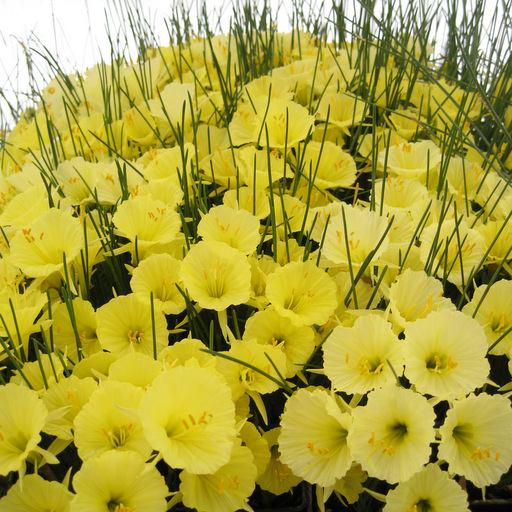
[20,426]
[216,275]
[120,482]
[125,325]
[313,439]
[302,292]
[350,486]
[445,354]
[253,439]
[398,194]
[39,248]
[172,103]
[32,493]
[188,415]
[475,438]
[391,434]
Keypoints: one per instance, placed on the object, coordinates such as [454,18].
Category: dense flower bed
[247,264]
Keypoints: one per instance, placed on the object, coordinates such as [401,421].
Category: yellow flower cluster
[216,283]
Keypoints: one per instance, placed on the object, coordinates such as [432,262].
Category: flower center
[215,280]
[118,435]
[365,366]
[175,429]
[499,323]
[298,298]
[230,482]
[441,364]
[114,506]
[422,506]
[136,337]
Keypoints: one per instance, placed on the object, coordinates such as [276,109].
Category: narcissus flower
[268,327]
[259,168]
[341,110]
[412,159]
[277,477]
[227,489]
[20,427]
[313,440]
[40,373]
[428,490]
[302,292]
[286,123]
[363,357]
[352,235]
[147,223]
[187,352]
[242,378]
[64,335]
[108,421]
[39,248]
[327,165]
[254,201]
[77,179]
[414,295]
[398,194]
[125,325]
[137,369]
[391,434]
[33,493]
[189,417]
[72,393]
[119,481]
[159,273]
[253,439]
[453,249]
[216,275]
[494,314]
[475,438]
[436,361]
[237,228]
[350,486]
[18,313]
